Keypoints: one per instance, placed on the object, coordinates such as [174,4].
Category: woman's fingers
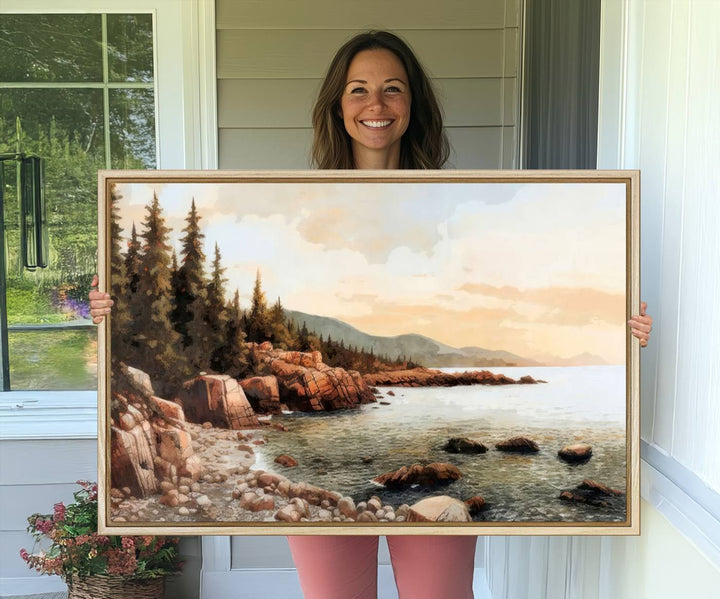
[641,325]
[100,303]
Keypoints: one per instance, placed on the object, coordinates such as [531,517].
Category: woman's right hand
[100,303]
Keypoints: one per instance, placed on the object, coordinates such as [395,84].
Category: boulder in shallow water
[518,444]
[596,487]
[427,476]
[439,509]
[475,505]
[577,452]
[593,493]
[286,460]
[464,445]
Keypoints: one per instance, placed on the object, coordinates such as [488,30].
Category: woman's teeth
[376,124]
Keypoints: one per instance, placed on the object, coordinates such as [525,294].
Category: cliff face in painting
[363,352]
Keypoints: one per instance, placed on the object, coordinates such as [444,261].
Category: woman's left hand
[641,325]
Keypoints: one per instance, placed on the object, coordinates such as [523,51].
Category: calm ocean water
[576,404]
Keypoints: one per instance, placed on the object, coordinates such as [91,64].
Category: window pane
[130,47]
[50,48]
[132,128]
[71,114]
[53,359]
[65,127]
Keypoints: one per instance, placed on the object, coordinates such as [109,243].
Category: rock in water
[439,509]
[519,445]
[475,505]
[464,445]
[286,460]
[592,493]
[427,476]
[577,452]
[591,485]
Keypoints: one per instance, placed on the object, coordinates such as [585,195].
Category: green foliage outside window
[63,78]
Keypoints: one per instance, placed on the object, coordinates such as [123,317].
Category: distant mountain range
[427,351]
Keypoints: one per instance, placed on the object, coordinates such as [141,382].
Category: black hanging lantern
[33,213]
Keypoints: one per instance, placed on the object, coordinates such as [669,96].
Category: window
[77,90]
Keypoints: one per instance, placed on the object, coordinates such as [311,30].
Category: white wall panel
[697,413]
[253,552]
[672,236]
[265,148]
[475,147]
[669,128]
[652,118]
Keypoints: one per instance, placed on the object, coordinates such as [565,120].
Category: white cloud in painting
[525,268]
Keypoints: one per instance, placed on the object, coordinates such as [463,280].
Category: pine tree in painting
[304,338]
[190,294]
[233,355]
[132,263]
[120,323]
[258,321]
[150,310]
[280,337]
[216,316]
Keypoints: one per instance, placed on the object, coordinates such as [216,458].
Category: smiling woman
[375,78]
[375,108]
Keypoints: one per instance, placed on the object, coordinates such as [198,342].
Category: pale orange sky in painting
[528,268]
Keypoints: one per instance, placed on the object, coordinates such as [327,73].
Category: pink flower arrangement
[76,548]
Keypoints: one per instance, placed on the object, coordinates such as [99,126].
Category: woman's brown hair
[424,144]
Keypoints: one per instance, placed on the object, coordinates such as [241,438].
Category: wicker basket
[116,587]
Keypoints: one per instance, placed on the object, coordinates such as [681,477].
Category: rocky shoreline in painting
[194,458]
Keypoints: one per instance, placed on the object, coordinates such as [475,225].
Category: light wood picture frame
[369,352]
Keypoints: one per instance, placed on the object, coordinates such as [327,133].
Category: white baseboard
[250,584]
[696,523]
[239,584]
[31,585]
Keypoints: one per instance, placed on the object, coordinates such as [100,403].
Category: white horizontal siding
[288,103]
[270,54]
[271,58]
[471,148]
[35,475]
[399,14]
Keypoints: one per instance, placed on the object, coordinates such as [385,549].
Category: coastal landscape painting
[350,353]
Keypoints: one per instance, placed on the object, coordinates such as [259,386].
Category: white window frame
[186,131]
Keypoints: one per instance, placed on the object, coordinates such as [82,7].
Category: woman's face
[375,103]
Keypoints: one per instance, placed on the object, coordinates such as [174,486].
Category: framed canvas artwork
[366,352]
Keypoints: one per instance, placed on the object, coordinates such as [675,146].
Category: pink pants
[425,567]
